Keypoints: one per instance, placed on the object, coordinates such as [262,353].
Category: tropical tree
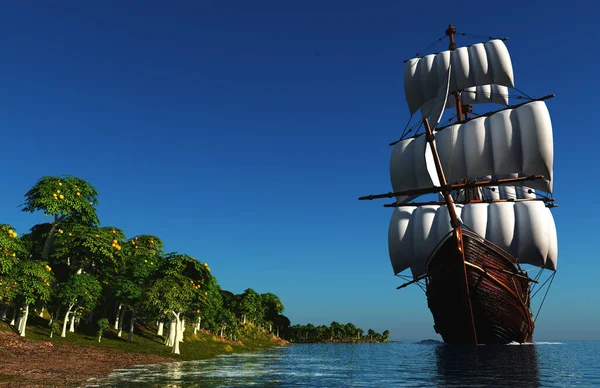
[33,286]
[141,257]
[65,198]
[173,290]
[271,307]
[79,294]
[11,247]
[249,305]
[385,335]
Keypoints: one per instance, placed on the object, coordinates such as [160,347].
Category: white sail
[524,229]
[511,141]
[485,94]
[480,64]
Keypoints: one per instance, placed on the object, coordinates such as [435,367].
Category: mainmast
[460,110]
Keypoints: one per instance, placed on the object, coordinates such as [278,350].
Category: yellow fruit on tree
[58,191]
[61,196]
[14,255]
[60,231]
[115,242]
[59,183]
[114,231]
[78,193]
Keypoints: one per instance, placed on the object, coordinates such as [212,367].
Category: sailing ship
[492,173]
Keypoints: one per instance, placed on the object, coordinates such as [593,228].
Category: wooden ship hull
[479,297]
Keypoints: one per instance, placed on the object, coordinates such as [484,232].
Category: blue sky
[243,132]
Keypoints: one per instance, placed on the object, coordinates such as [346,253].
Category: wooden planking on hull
[499,293]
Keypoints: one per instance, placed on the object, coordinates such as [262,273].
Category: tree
[271,306]
[79,293]
[11,247]
[173,289]
[90,249]
[141,257]
[63,198]
[249,305]
[33,286]
[103,326]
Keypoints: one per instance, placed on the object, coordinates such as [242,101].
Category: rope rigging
[545,295]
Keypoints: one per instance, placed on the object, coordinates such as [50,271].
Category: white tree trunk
[64,329]
[14,315]
[131,326]
[177,325]
[19,319]
[72,325]
[24,322]
[117,316]
[244,319]
[161,328]
[42,312]
[171,338]
[197,325]
[121,319]
[181,330]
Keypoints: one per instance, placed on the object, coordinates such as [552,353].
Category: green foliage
[81,292]
[334,332]
[95,250]
[33,281]
[63,197]
[11,248]
[103,325]
[88,268]
[250,304]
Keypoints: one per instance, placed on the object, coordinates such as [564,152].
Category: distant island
[335,332]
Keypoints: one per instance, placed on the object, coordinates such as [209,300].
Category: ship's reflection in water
[487,365]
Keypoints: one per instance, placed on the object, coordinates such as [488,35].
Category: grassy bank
[44,361]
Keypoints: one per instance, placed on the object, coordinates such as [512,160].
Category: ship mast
[462,112]
[454,221]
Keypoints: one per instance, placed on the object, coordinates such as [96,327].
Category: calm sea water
[552,364]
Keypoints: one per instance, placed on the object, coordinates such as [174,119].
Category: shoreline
[28,362]
[34,363]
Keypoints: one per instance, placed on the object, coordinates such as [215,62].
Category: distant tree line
[335,332]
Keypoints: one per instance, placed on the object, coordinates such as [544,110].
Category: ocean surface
[394,364]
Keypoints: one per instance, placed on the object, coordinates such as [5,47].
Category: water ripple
[554,364]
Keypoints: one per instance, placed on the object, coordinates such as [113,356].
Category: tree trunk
[14,315]
[117,316]
[49,240]
[177,326]
[171,338]
[121,319]
[131,326]
[181,330]
[72,325]
[24,321]
[244,319]
[42,312]
[64,329]
[99,337]
[197,325]
[161,327]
